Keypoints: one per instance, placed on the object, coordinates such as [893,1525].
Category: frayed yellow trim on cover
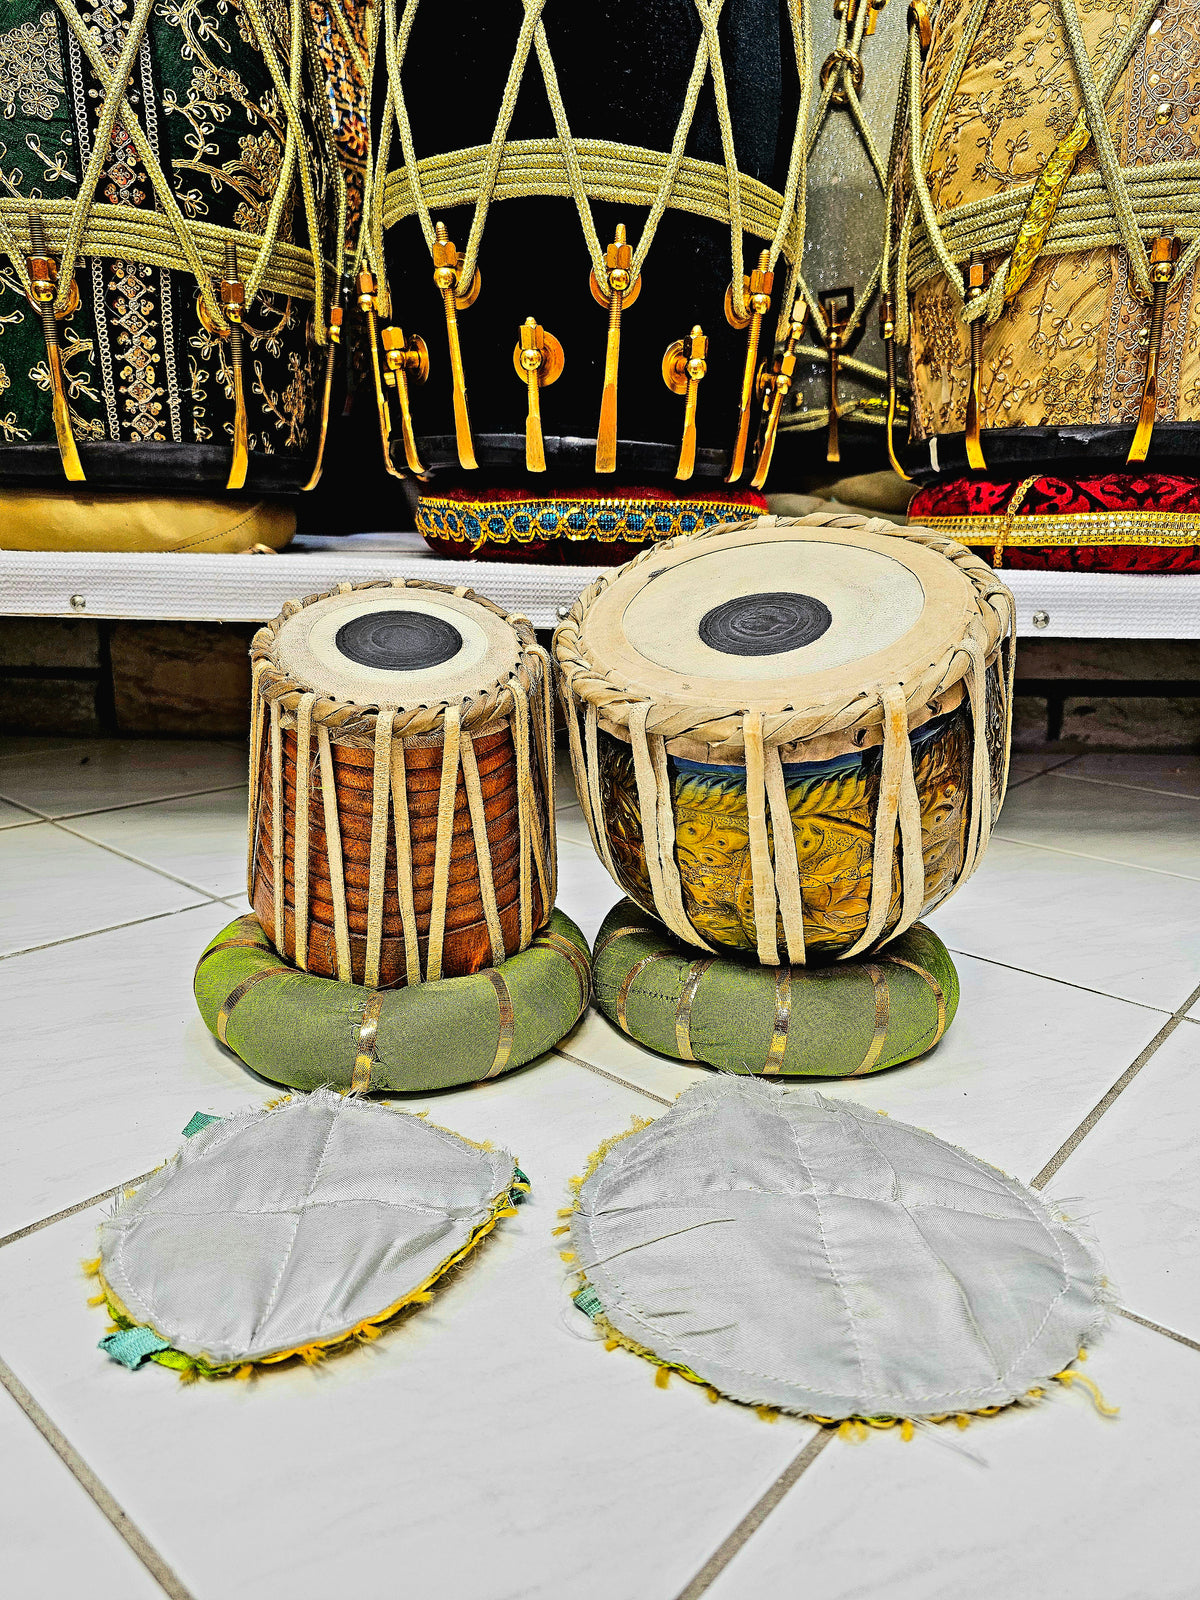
[852,1428]
[91,1269]
[368,1329]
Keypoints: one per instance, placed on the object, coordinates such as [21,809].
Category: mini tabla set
[657,260]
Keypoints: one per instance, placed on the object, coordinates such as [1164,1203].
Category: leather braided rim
[353,723]
[592,683]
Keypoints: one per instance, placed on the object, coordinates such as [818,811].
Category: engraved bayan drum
[1043,246]
[790,737]
[401,824]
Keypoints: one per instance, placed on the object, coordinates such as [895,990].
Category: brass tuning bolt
[1163,250]
[407,361]
[887,332]
[683,366]
[336,317]
[233,304]
[624,290]
[445,278]
[43,291]
[538,360]
[975,287]
[368,304]
[838,306]
[774,386]
[756,292]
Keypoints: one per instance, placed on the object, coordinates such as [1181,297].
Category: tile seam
[125,805]
[113,927]
[71,1211]
[1031,972]
[1109,861]
[612,1077]
[1075,1139]
[755,1517]
[101,1497]
[1157,1327]
[134,861]
[1113,783]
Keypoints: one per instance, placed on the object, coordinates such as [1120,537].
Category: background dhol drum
[791,737]
[564,198]
[402,783]
[165,290]
[1044,247]
[834,420]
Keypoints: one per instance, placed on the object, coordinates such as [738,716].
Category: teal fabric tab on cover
[519,1196]
[199,1122]
[588,1302]
[131,1346]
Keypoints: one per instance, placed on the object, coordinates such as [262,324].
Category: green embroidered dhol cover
[149,387]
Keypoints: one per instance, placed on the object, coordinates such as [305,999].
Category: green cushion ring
[305,1031]
[836,1021]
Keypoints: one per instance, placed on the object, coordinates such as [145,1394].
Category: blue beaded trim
[635,521]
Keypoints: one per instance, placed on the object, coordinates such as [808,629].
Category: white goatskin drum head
[774,617]
[825,1259]
[397,647]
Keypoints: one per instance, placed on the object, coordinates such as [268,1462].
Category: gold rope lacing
[1115,207]
[585,169]
[85,227]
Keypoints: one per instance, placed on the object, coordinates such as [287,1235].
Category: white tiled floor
[488,1449]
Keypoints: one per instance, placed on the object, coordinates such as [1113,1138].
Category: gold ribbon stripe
[237,995]
[548,940]
[507,1025]
[683,1011]
[883,1007]
[783,1020]
[1170,528]
[623,997]
[939,997]
[360,1082]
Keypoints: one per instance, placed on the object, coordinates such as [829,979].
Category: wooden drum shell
[467,946]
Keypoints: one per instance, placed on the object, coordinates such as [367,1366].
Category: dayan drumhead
[773,617]
[397,646]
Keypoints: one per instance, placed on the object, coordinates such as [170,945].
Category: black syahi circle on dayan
[398,640]
[765,624]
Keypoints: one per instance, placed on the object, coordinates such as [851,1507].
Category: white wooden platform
[244,588]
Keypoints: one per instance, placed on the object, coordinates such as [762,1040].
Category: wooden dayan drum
[419,841]
[791,736]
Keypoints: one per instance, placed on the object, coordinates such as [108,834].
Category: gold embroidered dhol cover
[149,387]
[1070,349]
[833,818]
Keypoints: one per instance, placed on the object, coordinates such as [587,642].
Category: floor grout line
[1114,783]
[125,805]
[128,1530]
[1157,1327]
[1074,1140]
[136,861]
[112,927]
[1041,773]
[755,1517]
[1029,972]
[1086,855]
[601,1073]
[72,1211]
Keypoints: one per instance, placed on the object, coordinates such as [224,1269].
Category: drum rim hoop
[353,722]
[841,711]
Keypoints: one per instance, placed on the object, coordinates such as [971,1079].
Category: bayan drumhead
[397,646]
[777,616]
